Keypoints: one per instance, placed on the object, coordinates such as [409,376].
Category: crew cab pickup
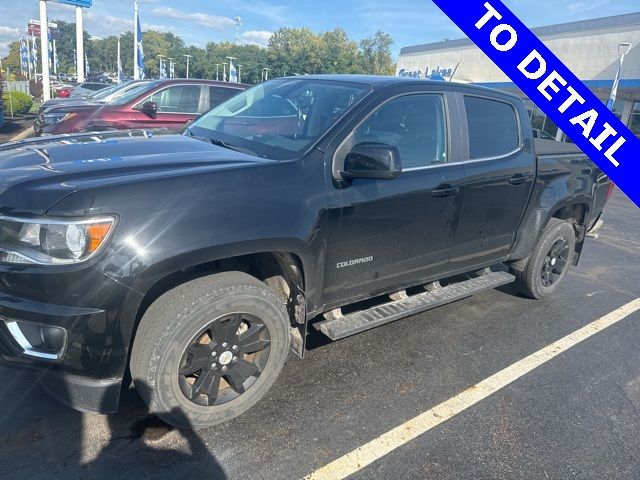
[193,263]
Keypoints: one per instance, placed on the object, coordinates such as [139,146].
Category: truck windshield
[279,119]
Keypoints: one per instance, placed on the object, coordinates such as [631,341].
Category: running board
[337,326]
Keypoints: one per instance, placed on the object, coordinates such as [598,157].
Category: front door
[386,233]
[177,104]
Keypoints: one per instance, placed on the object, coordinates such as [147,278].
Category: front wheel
[210,349]
[549,261]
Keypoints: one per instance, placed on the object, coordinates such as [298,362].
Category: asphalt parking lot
[575,416]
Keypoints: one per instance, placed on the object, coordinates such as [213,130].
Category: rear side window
[493,128]
[217,95]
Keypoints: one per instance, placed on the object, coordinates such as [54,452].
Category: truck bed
[551,147]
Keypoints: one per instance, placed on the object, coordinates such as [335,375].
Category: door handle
[445,190]
[519,179]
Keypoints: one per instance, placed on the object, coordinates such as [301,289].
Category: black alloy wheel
[224,359]
[555,262]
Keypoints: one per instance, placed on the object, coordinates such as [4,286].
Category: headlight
[47,241]
[51,118]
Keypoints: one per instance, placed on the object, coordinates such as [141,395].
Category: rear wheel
[210,349]
[549,261]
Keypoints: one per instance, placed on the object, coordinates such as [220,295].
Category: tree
[291,51]
[12,60]
[376,54]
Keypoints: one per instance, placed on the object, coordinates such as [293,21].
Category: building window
[634,119]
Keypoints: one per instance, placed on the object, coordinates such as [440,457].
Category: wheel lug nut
[235,359]
[213,354]
[224,345]
[214,365]
[235,347]
[224,369]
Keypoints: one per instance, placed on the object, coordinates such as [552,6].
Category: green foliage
[1,90]
[291,51]
[21,102]
[376,53]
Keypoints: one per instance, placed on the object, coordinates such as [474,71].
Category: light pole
[188,57]
[218,71]
[623,49]
[171,73]
[266,73]
[160,67]
[237,22]
[240,73]
[224,72]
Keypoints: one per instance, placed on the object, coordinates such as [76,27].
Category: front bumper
[88,373]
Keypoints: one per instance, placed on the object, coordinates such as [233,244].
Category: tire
[533,281]
[172,337]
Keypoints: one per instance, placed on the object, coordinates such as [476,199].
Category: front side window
[177,99]
[282,118]
[415,124]
[493,127]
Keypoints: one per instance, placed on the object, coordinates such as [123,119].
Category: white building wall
[590,55]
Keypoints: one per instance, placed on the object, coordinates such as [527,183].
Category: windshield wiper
[221,143]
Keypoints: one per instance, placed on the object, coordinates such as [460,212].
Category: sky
[410,22]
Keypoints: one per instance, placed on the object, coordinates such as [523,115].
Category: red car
[158,104]
[64,92]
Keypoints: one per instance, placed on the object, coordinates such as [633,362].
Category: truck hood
[37,173]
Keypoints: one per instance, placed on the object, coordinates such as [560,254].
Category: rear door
[387,233]
[499,175]
[177,104]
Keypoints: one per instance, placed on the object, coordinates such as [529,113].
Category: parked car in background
[167,103]
[64,92]
[87,88]
[55,109]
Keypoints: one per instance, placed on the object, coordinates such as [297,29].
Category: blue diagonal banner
[552,87]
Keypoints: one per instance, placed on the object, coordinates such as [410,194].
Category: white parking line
[395,438]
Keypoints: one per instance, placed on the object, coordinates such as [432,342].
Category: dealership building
[589,48]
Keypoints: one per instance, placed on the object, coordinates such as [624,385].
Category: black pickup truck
[191,264]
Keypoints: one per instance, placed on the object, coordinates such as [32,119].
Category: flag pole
[136,72]
[623,49]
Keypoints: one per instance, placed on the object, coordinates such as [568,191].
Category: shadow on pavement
[42,439]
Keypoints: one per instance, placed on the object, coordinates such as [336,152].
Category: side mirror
[150,109]
[373,160]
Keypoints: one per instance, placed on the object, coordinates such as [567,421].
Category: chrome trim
[433,165]
[497,157]
[59,221]
[27,348]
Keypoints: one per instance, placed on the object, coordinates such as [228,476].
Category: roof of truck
[381,81]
